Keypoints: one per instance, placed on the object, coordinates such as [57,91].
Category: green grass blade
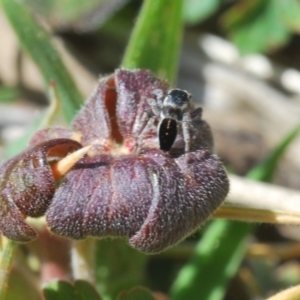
[7,253]
[37,43]
[216,259]
[264,171]
[219,253]
[156,38]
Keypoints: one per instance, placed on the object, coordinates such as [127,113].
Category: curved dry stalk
[257,215]
[292,293]
[254,201]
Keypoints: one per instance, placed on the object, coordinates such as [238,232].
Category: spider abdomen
[167,133]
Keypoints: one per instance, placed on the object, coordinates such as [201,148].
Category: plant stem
[9,248]
[83,260]
[156,39]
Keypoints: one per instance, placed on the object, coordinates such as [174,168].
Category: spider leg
[197,113]
[147,120]
[159,96]
[155,107]
[186,123]
[149,123]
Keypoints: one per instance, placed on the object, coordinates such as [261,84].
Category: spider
[175,110]
[176,114]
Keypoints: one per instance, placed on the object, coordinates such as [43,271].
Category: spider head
[175,104]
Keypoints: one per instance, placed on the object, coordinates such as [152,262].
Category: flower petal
[133,90]
[27,186]
[93,121]
[102,197]
[185,195]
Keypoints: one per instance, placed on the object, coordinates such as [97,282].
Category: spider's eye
[167,133]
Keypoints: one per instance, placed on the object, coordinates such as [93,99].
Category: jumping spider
[170,116]
[175,111]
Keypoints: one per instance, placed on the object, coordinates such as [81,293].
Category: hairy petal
[76,193]
[133,89]
[185,195]
[12,224]
[131,196]
[152,199]
[93,119]
[47,134]
[102,197]
[165,224]
[27,186]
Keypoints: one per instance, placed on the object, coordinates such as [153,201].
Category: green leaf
[62,290]
[85,291]
[59,290]
[37,43]
[156,39]
[216,259]
[118,267]
[196,11]
[256,26]
[137,293]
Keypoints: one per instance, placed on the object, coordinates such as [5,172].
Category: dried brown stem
[292,293]
[254,201]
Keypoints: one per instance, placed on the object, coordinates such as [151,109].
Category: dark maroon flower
[127,186]
[150,175]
